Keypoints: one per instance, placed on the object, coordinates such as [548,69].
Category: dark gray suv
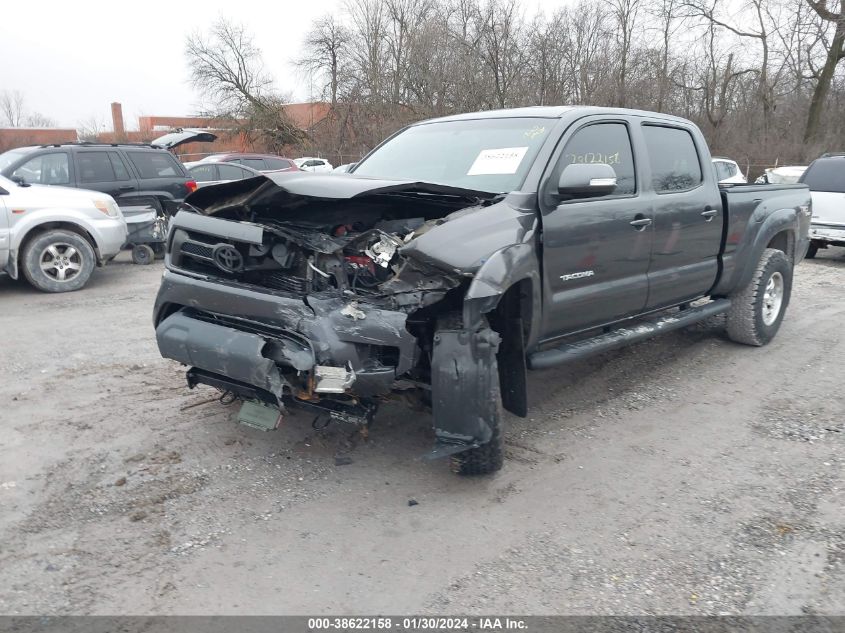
[127,172]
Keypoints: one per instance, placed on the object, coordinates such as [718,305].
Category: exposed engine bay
[317,249]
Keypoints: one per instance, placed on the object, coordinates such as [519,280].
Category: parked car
[462,251]
[259,162]
[126,172]
[313,164]
[55,236]
[728,172]
[826,178]
[345,168]
[216,173]
[786,175]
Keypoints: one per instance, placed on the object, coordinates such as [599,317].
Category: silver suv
[55,236]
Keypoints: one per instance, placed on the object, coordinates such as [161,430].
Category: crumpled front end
[336,301]
[302,308]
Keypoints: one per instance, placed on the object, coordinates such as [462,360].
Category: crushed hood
[282,189]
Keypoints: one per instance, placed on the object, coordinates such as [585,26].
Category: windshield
[491,155]
[12,156]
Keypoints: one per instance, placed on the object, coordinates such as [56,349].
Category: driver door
[595,260]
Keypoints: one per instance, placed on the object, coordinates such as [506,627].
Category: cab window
[673,158]
[607,143]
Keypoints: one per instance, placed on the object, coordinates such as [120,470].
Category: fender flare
[503,269]
[755,242]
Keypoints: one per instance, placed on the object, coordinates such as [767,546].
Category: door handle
[126,187]
[640,222]
[709,214]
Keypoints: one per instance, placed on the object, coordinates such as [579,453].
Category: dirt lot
[683,475]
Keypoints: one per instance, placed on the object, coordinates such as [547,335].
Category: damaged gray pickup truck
[461,252]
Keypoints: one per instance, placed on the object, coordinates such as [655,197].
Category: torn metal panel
[462,379]
[219,349]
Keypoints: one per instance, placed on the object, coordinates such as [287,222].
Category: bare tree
[325,51]
[835,53]
[228,71]
[36,119]
[625,13]
[12,107]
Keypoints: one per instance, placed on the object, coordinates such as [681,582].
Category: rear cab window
[826,174]
[153,164]
[673,158]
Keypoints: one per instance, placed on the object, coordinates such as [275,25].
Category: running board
[639,331]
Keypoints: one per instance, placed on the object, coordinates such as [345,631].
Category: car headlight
[109,207]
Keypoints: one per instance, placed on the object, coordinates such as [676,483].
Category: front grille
[284,282]
[196,249]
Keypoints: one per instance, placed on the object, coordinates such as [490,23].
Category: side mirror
[20,181]
[587,180]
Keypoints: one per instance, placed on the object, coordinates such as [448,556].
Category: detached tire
[143,254]
[812,250]
[58,261]
[489,457]
[757,310]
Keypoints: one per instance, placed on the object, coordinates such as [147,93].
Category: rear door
[104,170]
[160,174]
[687,210]
[595,261]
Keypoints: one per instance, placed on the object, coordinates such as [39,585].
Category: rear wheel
[58,261]
[812,250]
[757,310]
[143,254]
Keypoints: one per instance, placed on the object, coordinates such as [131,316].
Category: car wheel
[812,249]
[143,254]
[757,310]
[490,457]
[58,261]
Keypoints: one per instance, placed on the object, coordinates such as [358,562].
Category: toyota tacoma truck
[462,252]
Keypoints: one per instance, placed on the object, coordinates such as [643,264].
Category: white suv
[313,164]
[728,172]
[826,179]
[56,236]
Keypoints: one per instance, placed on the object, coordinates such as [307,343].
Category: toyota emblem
[228,258]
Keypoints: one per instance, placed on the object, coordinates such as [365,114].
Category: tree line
[762,78]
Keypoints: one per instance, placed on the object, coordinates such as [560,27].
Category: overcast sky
[71,59]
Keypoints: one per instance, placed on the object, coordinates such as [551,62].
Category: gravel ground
[684,475]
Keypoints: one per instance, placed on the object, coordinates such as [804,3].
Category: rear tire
[812,250]
[489,457]
[143,254]
[58,261]
[757,310]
